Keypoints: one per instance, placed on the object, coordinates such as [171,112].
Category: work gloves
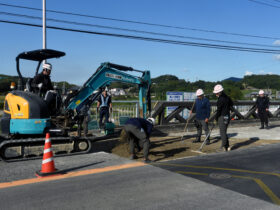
[40,85]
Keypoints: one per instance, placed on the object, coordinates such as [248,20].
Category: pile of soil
[168,148]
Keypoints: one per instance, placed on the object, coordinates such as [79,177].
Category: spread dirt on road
[168,148]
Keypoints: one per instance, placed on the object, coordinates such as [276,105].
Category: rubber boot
[266,126]
[133,157]
[197,140]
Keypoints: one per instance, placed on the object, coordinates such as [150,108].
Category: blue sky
[85,52]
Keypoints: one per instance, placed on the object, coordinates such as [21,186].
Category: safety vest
[104,101]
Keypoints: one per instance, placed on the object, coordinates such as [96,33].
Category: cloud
[262,72]
[277,42]
[277,57]
[248,73]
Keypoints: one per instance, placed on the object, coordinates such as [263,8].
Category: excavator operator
[42,82]
[42,85]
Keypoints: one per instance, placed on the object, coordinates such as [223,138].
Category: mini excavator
[28,116]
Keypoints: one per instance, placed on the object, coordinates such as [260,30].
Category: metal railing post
[137,109]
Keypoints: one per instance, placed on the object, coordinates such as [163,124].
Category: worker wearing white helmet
[218,89]
[138,131]
[224,105]
[104,107]
[262,104]
[42,82]
[202,110]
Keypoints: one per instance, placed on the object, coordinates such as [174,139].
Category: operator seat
[53,101]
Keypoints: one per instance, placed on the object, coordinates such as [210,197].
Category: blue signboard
[173,96]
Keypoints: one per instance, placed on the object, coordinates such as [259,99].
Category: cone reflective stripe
[47,161]
[48,167]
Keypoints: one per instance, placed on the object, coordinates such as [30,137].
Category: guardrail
[240,110]
[127,109]
[122,110]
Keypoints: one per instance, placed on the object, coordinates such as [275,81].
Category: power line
[133,30]
[142,23]
[224,47]
[263,3]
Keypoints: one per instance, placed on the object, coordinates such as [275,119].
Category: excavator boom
[104,76]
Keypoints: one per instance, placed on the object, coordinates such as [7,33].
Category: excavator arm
[104,76]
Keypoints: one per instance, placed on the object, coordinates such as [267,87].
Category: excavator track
[6,144]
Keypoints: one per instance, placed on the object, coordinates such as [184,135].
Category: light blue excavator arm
[104,76]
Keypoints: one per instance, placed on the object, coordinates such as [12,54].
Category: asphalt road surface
[254,172]
[106,181]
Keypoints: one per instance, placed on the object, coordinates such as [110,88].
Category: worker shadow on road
[64,171]
[188,137]
[173,140]
[216,139]
[245,143]
[157,132]
[167,153]
[274,126]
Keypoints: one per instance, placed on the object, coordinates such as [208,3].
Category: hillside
[234,79]
[160,85]
[5,82]
[268,81]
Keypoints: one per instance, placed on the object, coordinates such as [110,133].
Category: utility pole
[44,27]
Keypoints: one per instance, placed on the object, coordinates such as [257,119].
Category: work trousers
[223,122]
[201,124]
[104,111]
[263,115]
[137,137]
[85,124]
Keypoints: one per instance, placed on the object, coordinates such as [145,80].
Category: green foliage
[5,82]
[233,89]
[263,81]
[165,78]
[67,86]
[120,85]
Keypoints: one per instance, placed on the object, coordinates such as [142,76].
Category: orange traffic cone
[48,162]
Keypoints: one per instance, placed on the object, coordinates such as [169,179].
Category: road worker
[262,104]
[138,131]
[224,105]
[202,110]
[104,107]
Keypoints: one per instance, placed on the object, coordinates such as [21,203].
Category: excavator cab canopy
[36,55]
[40,55]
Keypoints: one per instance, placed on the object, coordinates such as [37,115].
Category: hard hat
[104,89]
[199,92]
[47,66]
[218,88]
[152,120]
[261,92]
